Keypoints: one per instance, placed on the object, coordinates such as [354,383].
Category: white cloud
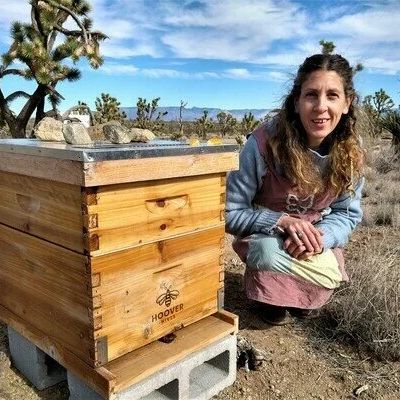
[232,29]
[242,73]
[120,50]
[383,66]
[13,11]
[374,25]
[112,68]
[116,69]
[279,76]
[10,12]
[266,32]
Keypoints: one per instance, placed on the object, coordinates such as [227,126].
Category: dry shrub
[366,127]
[368,308]
[388,214]
[383,158]
[385,215]
[384,165]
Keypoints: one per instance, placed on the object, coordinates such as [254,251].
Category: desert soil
[301,360]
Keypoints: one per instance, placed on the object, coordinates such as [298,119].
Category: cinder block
[198,376]
[36,366]
[78,390]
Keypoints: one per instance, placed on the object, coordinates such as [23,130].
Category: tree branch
[7,113]
[54,92]
[18,93]
[66,32]
[73,15]
[31,104]
[61,18]
[35,19]
[12,71]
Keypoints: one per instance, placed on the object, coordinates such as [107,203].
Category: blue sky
[223,53]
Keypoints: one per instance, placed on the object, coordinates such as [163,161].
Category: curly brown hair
[289,145]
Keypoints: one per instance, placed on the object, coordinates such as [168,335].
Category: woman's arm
[345,214]
[242,185]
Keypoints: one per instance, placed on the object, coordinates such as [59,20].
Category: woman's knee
[264,253]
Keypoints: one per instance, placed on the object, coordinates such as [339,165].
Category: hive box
[104,250]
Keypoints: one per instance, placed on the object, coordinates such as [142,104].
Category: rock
[49,129]
[247,356]
[141,135]
[4,361]
[76,133]
[116,133]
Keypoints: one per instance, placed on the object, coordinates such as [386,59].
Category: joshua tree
[377,106]
[107,109]
[181,108]
[226,122]
[41,46]
[381,102]
[146,111]
[203,125]
[329,47]
[391,122]
[248,123]
[82,108]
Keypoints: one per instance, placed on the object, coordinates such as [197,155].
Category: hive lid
[101,151]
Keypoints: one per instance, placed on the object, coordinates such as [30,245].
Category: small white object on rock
[49,129]
[76,133]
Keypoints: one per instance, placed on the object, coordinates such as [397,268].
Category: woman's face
[321,104]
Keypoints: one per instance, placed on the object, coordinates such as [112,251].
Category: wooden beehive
[106,250]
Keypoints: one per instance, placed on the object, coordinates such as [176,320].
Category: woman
[296,197]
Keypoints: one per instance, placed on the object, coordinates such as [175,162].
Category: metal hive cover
[102,151]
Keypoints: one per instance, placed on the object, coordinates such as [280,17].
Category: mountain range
[191,114]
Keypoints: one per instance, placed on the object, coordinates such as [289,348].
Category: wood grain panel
[137,365]
[47,286]
[47,209]
[53,169]
[100,379]
[149,291]
[123,216]
[147,360]
[144,169]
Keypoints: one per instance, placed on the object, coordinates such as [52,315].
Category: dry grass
[381,195]
[368,308]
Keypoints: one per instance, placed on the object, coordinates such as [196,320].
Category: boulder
[76,133]
[116,133]
[49,129]
[141,135]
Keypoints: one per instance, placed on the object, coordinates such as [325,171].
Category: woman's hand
[303,238]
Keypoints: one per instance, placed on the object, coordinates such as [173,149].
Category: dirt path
[301,363]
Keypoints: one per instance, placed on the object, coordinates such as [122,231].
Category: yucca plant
[34,45]
[107,109]
[248,123]
[147,116]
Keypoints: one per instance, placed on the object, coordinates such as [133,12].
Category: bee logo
[167,297]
